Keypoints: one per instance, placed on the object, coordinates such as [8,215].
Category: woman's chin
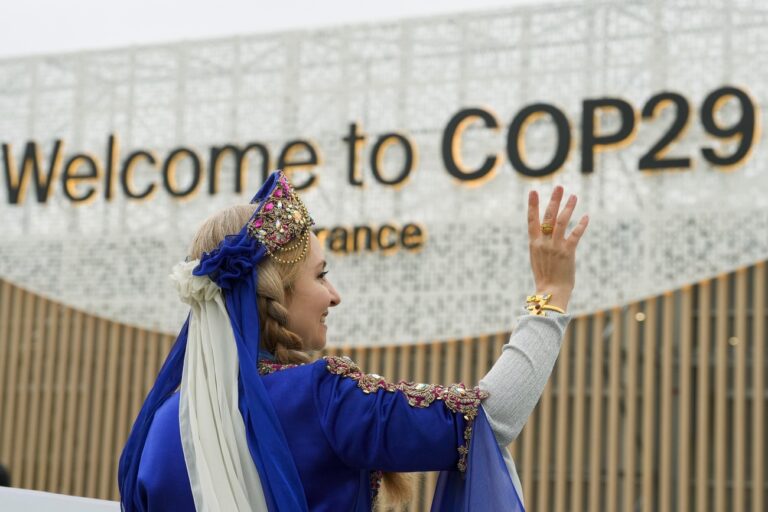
[318,343]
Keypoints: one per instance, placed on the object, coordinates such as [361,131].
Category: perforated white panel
[651,231]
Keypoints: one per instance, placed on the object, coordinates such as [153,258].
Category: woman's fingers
[564,218]
[533,215]
[554,218]
[552,208]
[578,231]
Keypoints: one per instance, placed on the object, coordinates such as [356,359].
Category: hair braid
[283,343]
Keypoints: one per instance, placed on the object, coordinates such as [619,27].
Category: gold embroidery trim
[456,397]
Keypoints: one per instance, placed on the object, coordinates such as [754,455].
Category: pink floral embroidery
[456,397]
[266,367]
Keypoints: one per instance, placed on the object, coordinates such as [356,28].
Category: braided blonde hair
[275,285]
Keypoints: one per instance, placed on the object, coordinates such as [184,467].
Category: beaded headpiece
[282,221]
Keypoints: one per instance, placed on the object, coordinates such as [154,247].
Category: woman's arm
[374,424]
[518,377]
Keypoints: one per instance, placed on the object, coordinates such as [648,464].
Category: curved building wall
[650,111]
[658,405]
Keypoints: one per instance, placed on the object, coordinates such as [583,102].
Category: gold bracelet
[537,304]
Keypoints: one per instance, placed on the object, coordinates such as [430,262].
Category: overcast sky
[55,26]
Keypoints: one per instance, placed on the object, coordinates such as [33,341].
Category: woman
[254,426]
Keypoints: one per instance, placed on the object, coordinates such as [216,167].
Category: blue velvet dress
[344,428]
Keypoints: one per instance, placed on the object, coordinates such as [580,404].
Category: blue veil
[232,266]
[487,484]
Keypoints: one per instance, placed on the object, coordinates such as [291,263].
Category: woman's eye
[323,274]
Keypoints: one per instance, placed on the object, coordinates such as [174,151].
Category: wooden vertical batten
[648,404]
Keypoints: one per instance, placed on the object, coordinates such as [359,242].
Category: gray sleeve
[517,378]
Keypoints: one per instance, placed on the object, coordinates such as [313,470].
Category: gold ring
[547,228]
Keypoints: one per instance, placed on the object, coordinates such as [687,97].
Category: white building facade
[425,135]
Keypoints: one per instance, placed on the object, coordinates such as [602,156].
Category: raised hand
[553,254]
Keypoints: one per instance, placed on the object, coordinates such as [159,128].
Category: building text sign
[84,176]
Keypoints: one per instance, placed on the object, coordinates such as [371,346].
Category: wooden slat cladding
[758,404]
[703,398]
[658,405]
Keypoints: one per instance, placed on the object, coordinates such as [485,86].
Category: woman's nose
[335,297]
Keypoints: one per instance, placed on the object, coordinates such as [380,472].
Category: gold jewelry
[304,240]
[547,228]
[537,304]
[282,222]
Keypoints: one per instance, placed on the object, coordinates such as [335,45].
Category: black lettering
[287,164]
[516,137]
[591,140]
[70,179]
[744,129]
[377,156]
[126,175]
[337,240]
[367,235]
[412,237]
[169,173]
[16,182]
[354,142]
[387,237]
[653,159]
[113,152]
[451,145]
[241,165]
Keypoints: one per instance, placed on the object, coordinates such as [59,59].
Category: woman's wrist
[559,297]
